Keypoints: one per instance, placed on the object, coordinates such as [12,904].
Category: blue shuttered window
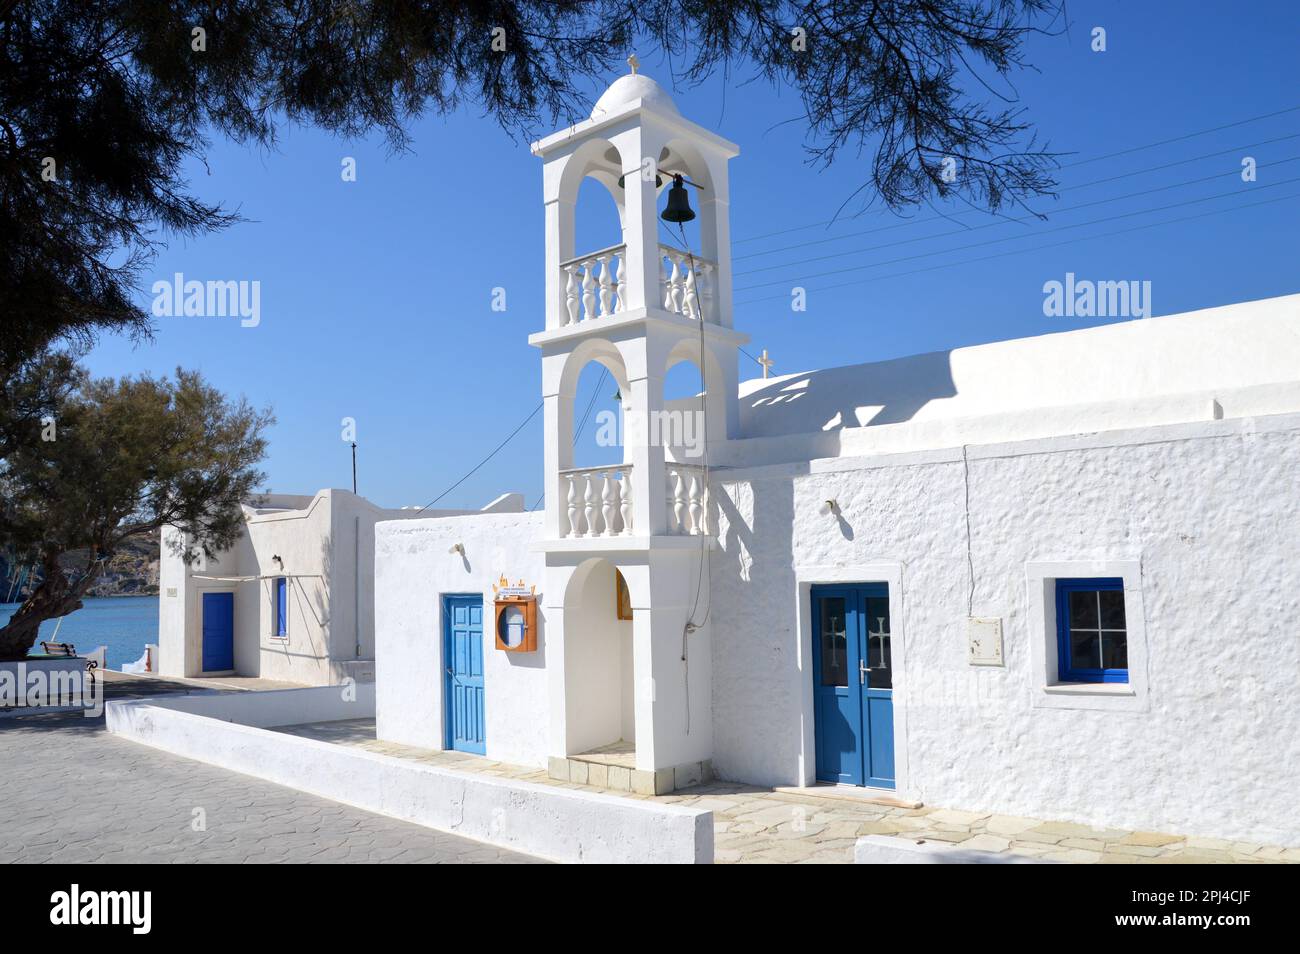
[281,607]
[1091,629]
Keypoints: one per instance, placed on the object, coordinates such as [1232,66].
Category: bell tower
[637,308]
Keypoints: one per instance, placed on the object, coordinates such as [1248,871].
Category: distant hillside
[131,571]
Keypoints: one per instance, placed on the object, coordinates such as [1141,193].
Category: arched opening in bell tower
[599,676]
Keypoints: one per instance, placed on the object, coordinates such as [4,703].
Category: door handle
[863,669]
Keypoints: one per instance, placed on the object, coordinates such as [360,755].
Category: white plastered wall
[1206,510]
[414,568]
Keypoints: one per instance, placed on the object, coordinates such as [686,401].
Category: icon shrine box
[516,618]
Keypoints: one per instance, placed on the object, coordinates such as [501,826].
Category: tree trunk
[55,596]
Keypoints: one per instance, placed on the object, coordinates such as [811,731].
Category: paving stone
[1009,824]
[948,816]
[119,805]
[1149,839]
[1084,844]
[1141,850]
[1065,830]
[987,842]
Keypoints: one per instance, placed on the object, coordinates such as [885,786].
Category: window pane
[834,646]
[880,675]
[1112,609]
[1114,650]
[1083,609]
[1084,651]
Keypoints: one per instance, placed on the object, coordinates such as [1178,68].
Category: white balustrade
[592,289]
[598,501]
[686,290]
[688,499]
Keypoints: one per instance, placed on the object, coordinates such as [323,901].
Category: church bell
[679,204]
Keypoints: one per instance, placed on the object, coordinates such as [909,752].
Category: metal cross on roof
[633,62]
[766,362]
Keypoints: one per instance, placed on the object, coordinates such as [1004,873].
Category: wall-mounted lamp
[829,507]
[276,559]
[457,548]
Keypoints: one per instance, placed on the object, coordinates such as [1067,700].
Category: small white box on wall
[985,638]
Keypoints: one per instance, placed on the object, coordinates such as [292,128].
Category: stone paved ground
[757,825]
[73,793]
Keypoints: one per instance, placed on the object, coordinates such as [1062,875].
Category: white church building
[1050,577]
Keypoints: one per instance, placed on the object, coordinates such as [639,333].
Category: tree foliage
[124,459]
[113,96]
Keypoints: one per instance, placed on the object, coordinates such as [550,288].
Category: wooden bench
[70,651]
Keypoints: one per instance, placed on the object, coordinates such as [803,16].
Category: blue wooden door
[218,632]
[462,643]
[853,684]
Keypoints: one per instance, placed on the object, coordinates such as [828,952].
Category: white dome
[630,88]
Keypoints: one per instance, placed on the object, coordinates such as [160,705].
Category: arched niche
[599,678]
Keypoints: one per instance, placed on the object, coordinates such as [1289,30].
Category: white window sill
[1090,689]
[280,639]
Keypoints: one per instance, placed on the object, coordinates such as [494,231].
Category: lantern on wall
[516,616]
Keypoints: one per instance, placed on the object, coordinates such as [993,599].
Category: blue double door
[853,684]
[462,652]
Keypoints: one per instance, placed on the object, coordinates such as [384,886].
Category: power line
[989,225]
[1035,248]
[1072,165]
[495,451]
[1081,185]
[1010,238]
[582,424]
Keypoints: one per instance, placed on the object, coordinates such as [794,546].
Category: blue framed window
[281,606]
[1091,629]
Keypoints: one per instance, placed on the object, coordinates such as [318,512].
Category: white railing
[592,287]
[688,499]
[685,290]
[596,501]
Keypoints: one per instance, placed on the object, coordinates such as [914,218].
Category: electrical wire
[1035,248]
[989,225]
[954,215]
[1011,238]
[1071,165]
[494,452]
[604,372]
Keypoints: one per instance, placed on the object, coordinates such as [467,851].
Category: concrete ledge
[555,823]
[892,850]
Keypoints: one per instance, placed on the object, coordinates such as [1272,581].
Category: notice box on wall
[516,617]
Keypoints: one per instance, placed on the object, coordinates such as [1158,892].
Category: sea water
[122,623]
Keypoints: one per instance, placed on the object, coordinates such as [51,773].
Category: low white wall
[278,707]
[550,822]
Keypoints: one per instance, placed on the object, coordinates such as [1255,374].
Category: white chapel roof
[629,89]
[1142,369]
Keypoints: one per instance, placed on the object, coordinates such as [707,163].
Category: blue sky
[376,294]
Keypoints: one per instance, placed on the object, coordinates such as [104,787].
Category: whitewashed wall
[413,569]
[1211,511]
